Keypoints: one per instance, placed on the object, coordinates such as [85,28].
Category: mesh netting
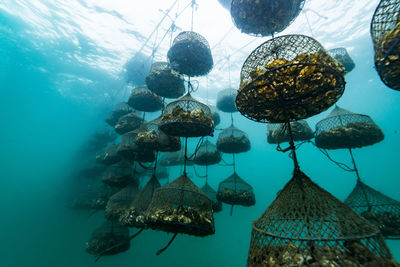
[181,207]
[207,154]
[128,122]
[233,140]
[235,191]
[174,159]
[187,117]
[108,239]
[129,150]
[385,32]
[380,210]
[264,17]
[226,100]
[164,81]
[190,54]
[289,78]
[307,226]
[278,132]
[119,174]
[346,129]
[341,55]
[134,216]
[119,111]
[143,99]
[93,198]
[110,156]
[150,137]
[215,115]
[120,201]
[212,195]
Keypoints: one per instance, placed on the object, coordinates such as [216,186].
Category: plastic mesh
[190,54]
[264,17]
[235,191]
[233,140]
[129,150]
[212,195]
[119,174]
[181,207]
[215,115]
[187,117]
[120,201]
[110,156]
[120,110]
[377,208]
[289,78]
[226,100]
[164,81]
[143,99]
[279,133]
[341,55]
[385,33]
[207,154]
[346,129]
[128,122]
[307,226]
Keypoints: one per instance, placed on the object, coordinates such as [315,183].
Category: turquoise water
[56,93]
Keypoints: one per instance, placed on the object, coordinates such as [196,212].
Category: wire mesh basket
[233,140]
[164,81]
[174,159]
[120,201]
[207,154]
[109,156]
[226,100]
[120,110]
[288,78]
[143,99]
[278,132]
[235,191]
[341,55]
[212,195]
[93,198]
[119,174]
[215,115]
[129,150]
[128,122]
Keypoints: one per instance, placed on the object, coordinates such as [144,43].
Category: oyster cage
[341,55]
[109,239]
[190,54]
[181,207]
[385,33]
[120,110]
[119,174]
[226,100]
[377,208]
[128,122]
[346,129]
[120,201]
[289,78]
[233,140]
[110,156]
[306,225]
[129,150]
[143,99]
[95,199]
[235,191]
[187,117]
[174,159]
[212,195]
[207,154]
[215,115]
[278,132]
[164,81]
[264,17]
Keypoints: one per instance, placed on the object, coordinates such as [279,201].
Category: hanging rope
[185,158]
[194,6]
[169,243]
[234,165]
[341,165]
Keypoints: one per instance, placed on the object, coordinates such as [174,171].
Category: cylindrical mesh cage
[346,129]
[307,226]
[226,100]
[215,115]
[128,122]
[119,174]
[120,201]
[235,191]
[212,195]
[93,198]
[108,239]
[377,208]
[134,216]
[279,133]
[233,140]
[174,158]
[207,154]
[385,33]
[181,207]
[288,78]
[190,54]
[151,137]
[164,81]
[129,150]
[341,55]
[264,17]
[187,117]
[120,110]
[109,156]
[143,99]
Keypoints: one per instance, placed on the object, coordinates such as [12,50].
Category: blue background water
[42,129]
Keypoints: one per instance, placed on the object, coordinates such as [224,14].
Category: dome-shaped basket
[119,174]
[174,159]
[207,154]
[215,115]
[129,150]
[235,191]
[346,129]
[385,33]
[341,55]
[181,207]
[279,133]
[109,239]
[120,201]
[264,17]
[233,140]
[226,100]
[164,81]
[128,122]
[190,54]
[143,99]
[289,78]
[109,156]
[187,117]
[307,226]
[377,208]
[120,110]
[212,195]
